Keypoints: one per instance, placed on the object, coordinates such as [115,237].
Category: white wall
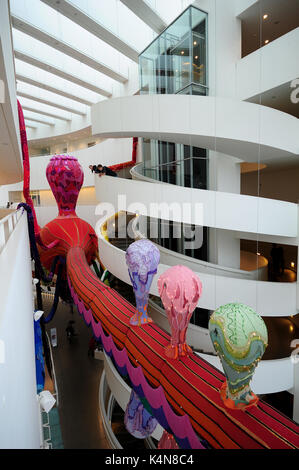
[19,424]
[269,66]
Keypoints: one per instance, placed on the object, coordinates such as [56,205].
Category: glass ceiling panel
[52,80]
[30,116]
[169,10]
[52,22]
[41,51]
[116,17]
[44,107]
[49,96]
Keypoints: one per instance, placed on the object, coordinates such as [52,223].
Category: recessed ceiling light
[195,43]
[196,57]
[267,40]
[265,16]
[182,52]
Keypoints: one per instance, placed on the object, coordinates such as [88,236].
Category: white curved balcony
[172,258]
[245,130]
[267,75]
[214,209]
[267,298]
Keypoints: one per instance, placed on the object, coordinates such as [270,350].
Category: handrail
[205,264]
[7,225]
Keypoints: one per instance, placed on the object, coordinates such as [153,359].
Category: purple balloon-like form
[138,421]
[142,258]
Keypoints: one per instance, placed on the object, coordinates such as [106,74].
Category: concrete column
[224,176]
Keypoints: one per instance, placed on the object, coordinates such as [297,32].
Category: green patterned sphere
[240,337]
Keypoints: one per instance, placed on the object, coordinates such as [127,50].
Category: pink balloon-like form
[180,290]
[65,177]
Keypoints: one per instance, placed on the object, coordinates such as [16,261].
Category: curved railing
[7,225]
[245,130]
[268,298]
[206,208]
[173,258]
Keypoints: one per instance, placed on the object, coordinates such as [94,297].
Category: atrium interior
[149,224]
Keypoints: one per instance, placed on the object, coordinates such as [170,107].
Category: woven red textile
[26,166]
[191,384]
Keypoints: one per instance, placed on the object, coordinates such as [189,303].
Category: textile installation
[39,358]
[240,338]
[138,421]
[180,291]
[142,258]
[184,393]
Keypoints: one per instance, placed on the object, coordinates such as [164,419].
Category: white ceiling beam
[52,41]
[147,14]
[60,73]
[30,125]
[50,103]
[81,18]
[45,113]
[47,123]
[57,91]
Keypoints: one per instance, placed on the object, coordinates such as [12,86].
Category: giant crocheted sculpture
[240,338]
[183,394]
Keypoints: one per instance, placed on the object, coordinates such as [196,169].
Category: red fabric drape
[26,166]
